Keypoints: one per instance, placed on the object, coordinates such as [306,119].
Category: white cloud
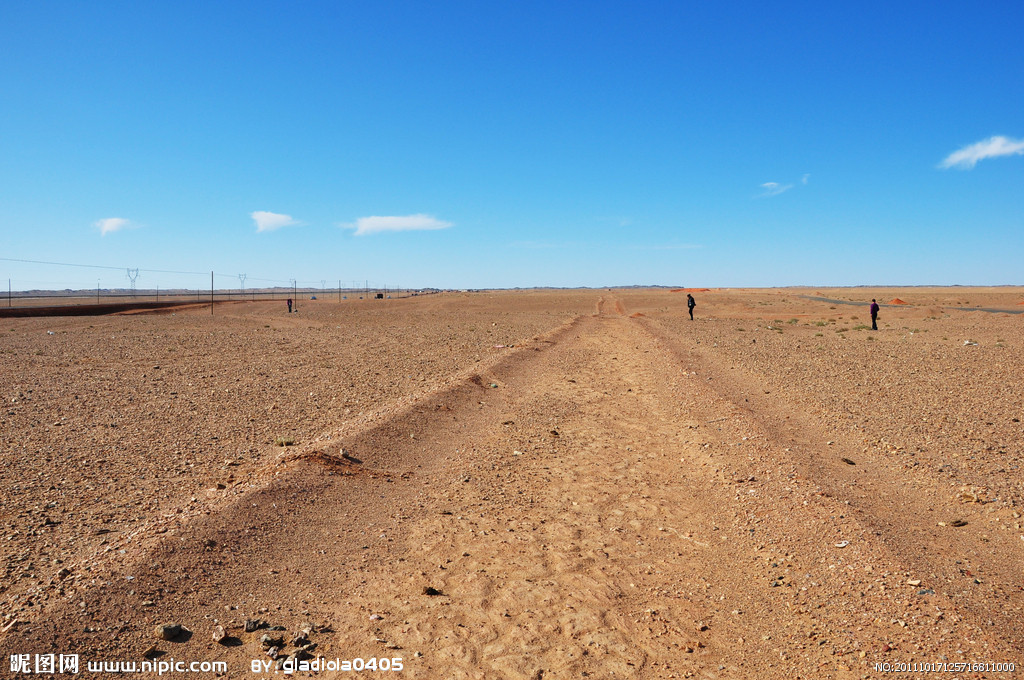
[268,221]
[668,246]
[807,176]
[774,189]
[111,224]
[993,147]
[376,224]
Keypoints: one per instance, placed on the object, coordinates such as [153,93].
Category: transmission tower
[241,279]
[133,274]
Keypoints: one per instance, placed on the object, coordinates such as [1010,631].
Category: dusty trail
[905,517]
[592,506]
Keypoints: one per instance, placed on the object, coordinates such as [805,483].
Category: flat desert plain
[522,484]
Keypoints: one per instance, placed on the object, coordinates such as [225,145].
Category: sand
[588,483]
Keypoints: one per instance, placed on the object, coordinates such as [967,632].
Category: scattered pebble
[168,631]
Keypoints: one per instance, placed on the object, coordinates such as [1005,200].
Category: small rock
[251,625]
[219,634]
[958,523]
[432,591]
[268,641]
[149,651]
[847,461]
[274,652]
[168,631]
[914,582]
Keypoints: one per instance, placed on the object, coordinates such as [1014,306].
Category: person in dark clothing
[874,315]
[289,305]
[690,304]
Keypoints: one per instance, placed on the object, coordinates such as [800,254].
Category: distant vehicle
[312,297]
[380,296]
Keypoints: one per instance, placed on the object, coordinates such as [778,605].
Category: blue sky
[502,144]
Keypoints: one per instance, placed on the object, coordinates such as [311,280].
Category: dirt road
[608,500]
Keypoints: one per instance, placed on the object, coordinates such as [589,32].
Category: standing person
[874,315]
[289,305]
[690,304]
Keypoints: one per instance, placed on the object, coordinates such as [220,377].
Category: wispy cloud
[597,245]
[667,246]
[805,178]
[112,224]
[268,221]
[377,223]
[993,147]
[773,189]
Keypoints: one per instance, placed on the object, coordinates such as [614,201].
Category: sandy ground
[553,484]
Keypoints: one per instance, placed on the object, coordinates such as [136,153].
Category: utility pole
[211,293]
[339,290]
[97,291]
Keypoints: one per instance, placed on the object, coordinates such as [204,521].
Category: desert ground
[522,484]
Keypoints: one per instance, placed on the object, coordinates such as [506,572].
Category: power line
[62,264]
[98,266]
[136,271]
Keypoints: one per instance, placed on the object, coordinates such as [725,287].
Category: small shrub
[284,441]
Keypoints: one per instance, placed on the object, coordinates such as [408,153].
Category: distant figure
[289,305]
[690,304]
[874,315]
